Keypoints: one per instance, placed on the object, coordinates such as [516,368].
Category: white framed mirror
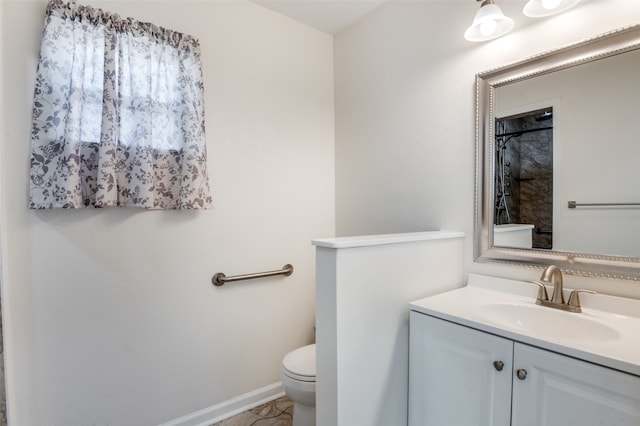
[558,159]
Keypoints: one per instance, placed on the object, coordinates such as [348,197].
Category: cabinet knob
[498,365]
[521,373]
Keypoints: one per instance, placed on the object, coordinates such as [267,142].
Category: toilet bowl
[299,381]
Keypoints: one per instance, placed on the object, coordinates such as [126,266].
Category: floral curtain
[118,114]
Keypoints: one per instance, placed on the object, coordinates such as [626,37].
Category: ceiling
[330,16]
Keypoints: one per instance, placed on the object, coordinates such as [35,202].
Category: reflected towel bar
[220,278]
[573,204]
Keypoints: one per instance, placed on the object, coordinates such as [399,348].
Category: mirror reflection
[524,180]
[570,136]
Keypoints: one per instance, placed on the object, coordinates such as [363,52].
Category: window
[118,114]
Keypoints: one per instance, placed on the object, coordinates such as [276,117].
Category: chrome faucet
[552,275]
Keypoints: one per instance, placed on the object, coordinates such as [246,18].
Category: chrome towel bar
[573,204]
[220,278]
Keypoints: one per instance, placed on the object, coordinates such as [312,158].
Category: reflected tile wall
[530,174]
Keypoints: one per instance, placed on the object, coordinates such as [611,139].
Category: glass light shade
[541,8]
[489,23]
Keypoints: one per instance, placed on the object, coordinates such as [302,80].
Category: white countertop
[465,305]
[373,240]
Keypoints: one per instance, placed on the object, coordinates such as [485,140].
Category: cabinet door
[560,391]
[452,377]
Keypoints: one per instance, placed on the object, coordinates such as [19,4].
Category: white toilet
[299,382]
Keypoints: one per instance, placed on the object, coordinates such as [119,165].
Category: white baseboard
[224,410]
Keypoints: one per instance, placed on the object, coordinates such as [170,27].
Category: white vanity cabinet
[560,390]
[452,377]
[462,376]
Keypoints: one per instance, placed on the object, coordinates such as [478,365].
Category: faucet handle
[574,299]
[542,291]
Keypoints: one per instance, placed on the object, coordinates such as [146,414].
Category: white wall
[111,317]
[405,113]
[364,287]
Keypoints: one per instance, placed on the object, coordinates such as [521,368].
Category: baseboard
[224,410]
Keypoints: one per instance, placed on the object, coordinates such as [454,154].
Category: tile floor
[274,413]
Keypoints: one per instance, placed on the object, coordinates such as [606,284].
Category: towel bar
[573,204]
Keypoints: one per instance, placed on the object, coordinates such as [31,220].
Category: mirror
[558,158]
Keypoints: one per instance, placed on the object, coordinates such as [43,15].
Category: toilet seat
[300,364]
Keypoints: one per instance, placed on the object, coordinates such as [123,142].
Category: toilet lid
[300,364]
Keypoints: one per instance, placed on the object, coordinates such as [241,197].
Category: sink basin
[546,322]
[605,333]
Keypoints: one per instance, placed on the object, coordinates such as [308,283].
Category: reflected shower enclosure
[524,173]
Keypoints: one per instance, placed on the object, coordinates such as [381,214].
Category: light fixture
[489,23]
[540,8]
